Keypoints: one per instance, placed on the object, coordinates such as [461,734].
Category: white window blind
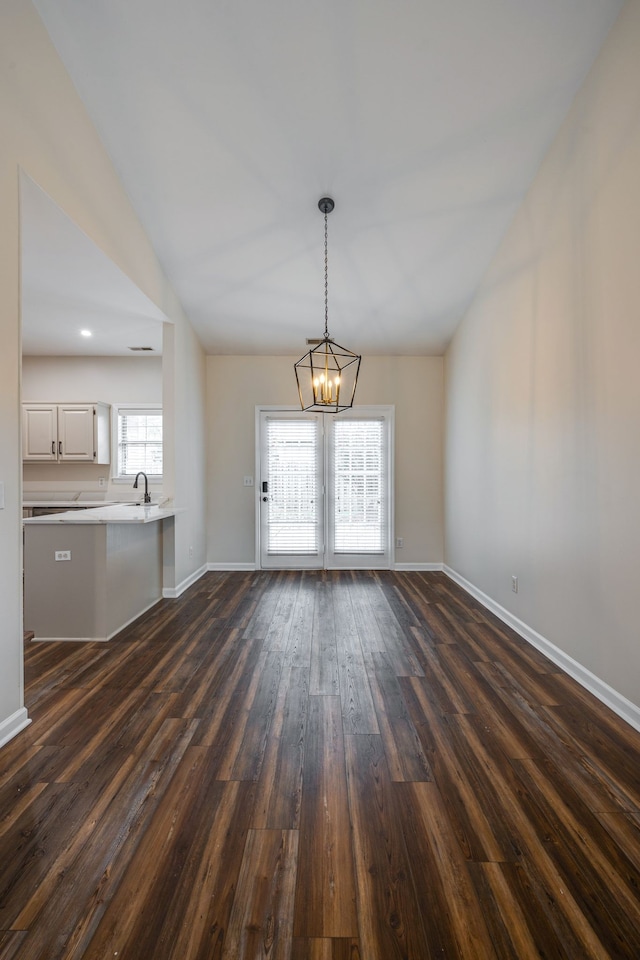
[292,473]
[359,478]
[139,441]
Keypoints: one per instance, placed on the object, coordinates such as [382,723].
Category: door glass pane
[292,471]
[358,486]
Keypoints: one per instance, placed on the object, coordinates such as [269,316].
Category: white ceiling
[69,284]
[425,120]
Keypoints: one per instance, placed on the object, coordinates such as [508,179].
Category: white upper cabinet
[39,431]
[66,431]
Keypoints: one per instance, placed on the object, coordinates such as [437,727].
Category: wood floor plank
[145,901]
[325,888]
[279,789]
[593,871]
[324,654]
[201,688]
[394,621]
[195,925]
[250,753]
[361,589]
[478,836]
[11,942]
[32,845]
[405,757]
[224,714]
[454,918]
[277,635]
[624,830]
[449,673]
[594,739]
[504,808]
[290,714]
[358,711]
[207,783]
[99,853]
[508,929]
[259,621]
[559,927]
[326,949]
[390,917]
[261,922]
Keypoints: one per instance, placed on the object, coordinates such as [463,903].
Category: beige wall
[45,130]
[236,385]
[543,390]
[87,380]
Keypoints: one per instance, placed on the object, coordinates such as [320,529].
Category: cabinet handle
[53,448]
[59,448]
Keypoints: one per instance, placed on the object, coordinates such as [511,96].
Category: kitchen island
[89,573]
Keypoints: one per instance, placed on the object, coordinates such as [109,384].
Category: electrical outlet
[248,481]
[190,551]
[399,543]
[62,554]
[102,482]
[514,584]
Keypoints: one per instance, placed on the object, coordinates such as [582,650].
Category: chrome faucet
[147,495]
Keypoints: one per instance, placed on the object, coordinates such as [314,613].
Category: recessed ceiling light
[86,333]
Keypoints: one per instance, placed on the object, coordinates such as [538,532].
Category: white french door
[325,489]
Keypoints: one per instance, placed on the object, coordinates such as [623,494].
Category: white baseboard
[397,566]
[172,593]
[616,701]
[70,639]
[13,725]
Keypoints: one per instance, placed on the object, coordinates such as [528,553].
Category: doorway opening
[325,489]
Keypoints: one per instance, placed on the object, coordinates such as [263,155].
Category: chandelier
[327,375]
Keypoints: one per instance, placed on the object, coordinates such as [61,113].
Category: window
[359,478]
[292,469]
[139,441]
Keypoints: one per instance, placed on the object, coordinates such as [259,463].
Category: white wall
[45,131]
[236,385]
[87,380]
[184,400]
[543,390]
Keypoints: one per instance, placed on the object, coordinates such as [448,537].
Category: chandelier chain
[326,278]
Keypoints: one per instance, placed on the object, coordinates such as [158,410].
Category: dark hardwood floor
[316,766]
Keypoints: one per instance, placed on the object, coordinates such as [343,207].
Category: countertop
[115,513]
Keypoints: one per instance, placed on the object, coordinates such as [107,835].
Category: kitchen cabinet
[66,432]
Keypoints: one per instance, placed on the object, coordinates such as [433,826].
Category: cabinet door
[39,431]
[76,431]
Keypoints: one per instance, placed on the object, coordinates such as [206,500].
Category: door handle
[53,448]
[59,448]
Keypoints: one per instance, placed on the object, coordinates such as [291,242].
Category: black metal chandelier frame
[327,375]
